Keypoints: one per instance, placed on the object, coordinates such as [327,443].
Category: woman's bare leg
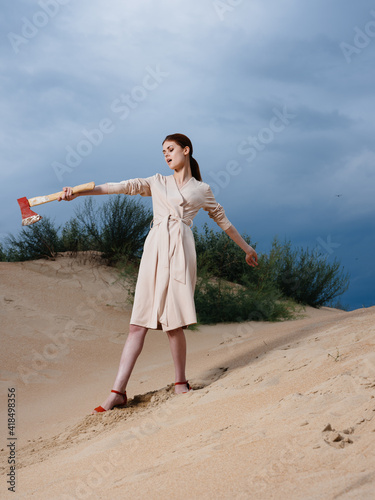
[177,343]
[132,349]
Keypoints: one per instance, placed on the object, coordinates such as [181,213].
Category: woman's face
[175,156]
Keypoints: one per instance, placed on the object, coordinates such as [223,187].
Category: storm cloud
[277,98]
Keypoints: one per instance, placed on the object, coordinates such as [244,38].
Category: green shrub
[40,240]
[304,276]
[307,276]
[116,228]
[3,255]
[219,301]
[128,270]
[72,238]
[219,256]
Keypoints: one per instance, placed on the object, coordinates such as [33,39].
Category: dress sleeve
[131,186]
[215,210]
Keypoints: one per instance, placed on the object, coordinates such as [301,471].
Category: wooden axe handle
[39,200]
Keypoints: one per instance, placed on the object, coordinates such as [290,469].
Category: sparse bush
[117,228]
[219,256]
[3,255]
[37,241]
[219,301]
[304,276]
[307,276]
[72,238]
[128,269]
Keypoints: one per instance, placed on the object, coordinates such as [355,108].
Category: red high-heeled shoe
[187,384]
[100,409]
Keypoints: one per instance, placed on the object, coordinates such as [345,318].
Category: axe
[29,217]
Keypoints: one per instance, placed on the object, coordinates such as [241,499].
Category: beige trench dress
[164,294]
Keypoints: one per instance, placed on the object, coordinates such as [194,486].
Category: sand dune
[279,411]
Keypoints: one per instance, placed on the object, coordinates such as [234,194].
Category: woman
[164,295]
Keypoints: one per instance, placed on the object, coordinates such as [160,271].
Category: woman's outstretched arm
[251,255]
[68,196]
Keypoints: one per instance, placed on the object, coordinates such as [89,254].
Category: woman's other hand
[252,258]
[251,255]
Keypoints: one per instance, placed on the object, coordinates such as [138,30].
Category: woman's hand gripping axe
[29,217]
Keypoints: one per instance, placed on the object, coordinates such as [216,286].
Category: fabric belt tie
[176,268]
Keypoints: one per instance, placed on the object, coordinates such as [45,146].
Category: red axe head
[28,216]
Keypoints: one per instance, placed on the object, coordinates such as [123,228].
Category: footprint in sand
[337,439]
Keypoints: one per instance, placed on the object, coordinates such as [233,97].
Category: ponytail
[195,172]
[184,141]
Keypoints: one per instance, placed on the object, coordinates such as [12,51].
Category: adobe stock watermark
[362,38]
[251,147]
[122,106]
[58,347]
[98,476]
[223,7]
[39,20]
[328,246]
[85,487]
[244,329]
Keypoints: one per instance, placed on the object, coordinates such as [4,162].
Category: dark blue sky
[277,97]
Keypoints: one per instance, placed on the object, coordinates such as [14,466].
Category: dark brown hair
[184,141]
